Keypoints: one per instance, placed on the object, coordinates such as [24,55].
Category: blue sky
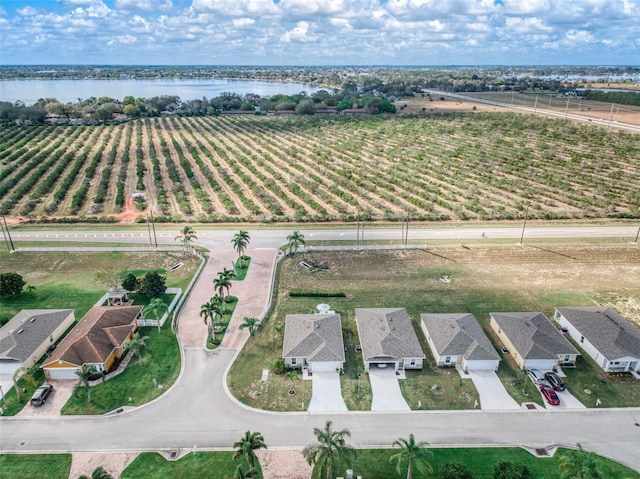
[320,32]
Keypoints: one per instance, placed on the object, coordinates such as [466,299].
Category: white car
[537,377]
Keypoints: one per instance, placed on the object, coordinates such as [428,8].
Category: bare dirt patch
[283,464]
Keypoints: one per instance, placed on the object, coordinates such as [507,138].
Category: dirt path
[166,181]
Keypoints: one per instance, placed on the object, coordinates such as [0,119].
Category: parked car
[550,395]
[40,396]
[537,377]
[556,381]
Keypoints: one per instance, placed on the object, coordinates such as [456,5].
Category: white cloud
[149,5]
[122,40]
[243,22]
[27,11]
[298,34]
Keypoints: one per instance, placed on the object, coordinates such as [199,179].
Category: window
[294,361]
[412,362]
[567,358]
[582,339]
[447,360]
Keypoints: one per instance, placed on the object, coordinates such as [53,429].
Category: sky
[320,32]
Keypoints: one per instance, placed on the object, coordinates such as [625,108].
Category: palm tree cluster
[294,240]
[245,448]
[186,236]
[212,312]
[329,451]
[240,242]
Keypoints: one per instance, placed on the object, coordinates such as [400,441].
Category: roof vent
[20,331]
[32,320]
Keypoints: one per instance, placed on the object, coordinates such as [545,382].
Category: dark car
[556,381]
[550,395]
[40,396]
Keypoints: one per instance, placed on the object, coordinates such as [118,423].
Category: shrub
[511,470]
[153,285]
[456,470]
[316,294]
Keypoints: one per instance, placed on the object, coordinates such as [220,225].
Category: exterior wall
[480,365]
[111,359]
[406,363]
[325,366]
[541,364]
[299,362]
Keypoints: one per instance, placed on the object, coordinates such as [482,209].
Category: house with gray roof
[533,341]
[387,338]
[612,341]
[28,335]
[313,342]
[456,339]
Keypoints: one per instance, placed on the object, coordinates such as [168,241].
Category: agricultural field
[437,167]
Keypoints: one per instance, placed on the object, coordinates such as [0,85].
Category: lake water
[29,91]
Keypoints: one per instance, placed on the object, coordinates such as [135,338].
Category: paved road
[275,238]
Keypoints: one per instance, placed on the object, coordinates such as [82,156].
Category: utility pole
[153,226]
[358,232]
[526,214]
[6,228]
[637,234]
[149,231]
[610,116]
[566,110]
[535,105]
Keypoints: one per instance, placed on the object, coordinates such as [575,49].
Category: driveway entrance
[326,395]
[386,391]
[493,395]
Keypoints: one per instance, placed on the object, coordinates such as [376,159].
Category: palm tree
[83,380]
[240,242]
[155,307]
[412,456]
[240,474]
[331,448]
[211,310]
[579,464]
[222,284]
[295,239]
[137,344]
[187,234]
[22,373]
[252,324]
[246,447]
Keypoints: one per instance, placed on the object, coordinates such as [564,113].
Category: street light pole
[526,214]
[637,234]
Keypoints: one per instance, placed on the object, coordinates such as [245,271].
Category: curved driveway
[197,411]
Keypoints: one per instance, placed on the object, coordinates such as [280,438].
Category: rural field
[443,279]
[486,165]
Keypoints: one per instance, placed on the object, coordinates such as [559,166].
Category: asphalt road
[197,412]
[217,239]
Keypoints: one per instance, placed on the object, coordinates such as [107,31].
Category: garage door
[62,373]
[324,366]
[9,367]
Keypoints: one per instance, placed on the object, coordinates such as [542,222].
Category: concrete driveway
[386,391]
[62,391]
[493,395]
[567,401]
[326,395]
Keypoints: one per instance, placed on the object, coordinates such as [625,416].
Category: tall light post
[526,214]
[637,234]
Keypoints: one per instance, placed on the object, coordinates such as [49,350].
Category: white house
[387,338]
[533,341]
[28,335]
[313,342]
[612,341]
[456,339]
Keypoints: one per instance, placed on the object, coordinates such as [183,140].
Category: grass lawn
[242,267]
[32,466]
[11,406]
[213,465]
[68,280]
[160,360]
[483,278]
[481,461]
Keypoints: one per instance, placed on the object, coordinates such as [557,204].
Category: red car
[550,395]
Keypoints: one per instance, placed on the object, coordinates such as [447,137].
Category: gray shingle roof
[317,337]
[27,330]
[533,335]
[459,334]
[606,329]
[387,333]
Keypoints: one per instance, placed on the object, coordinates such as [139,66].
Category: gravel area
[87,462]
[283,464]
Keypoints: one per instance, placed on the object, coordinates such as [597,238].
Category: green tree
[579,464]
[84,375]
[246,447]
[456,470]
[329,451]
[137,344]
[252,324]
[412,455]
[222,284]
[511,470]
[241,474]
[153,285]
[130,282]
[11,284]
[240,242]
[294,240]
[157,307]
[186,236]
[211,310]
[306,107]
[22,374]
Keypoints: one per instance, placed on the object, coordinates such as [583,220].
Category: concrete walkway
[386,391]
[326,396]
